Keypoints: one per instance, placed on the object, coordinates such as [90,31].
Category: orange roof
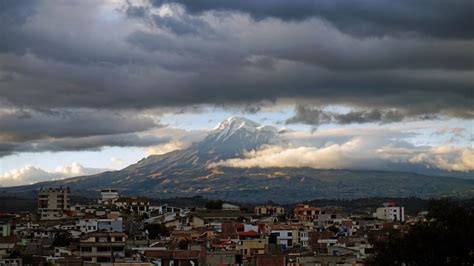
[175,254]
[282,227]
[248,233]
[308,209]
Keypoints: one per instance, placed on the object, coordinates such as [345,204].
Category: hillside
[187,173]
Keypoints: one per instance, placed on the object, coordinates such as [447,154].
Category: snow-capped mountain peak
[244,127]
[235,122]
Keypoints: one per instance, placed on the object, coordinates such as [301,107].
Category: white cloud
[165,148]
[30,174]
[180,139]
[117,162]
[358,152]
[351,154]
[446,158]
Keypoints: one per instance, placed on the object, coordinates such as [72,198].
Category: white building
[230,207]
[108,195]
[390,212]
[303,238]
[286,235]
[92,225]
[163,209]
[86,225]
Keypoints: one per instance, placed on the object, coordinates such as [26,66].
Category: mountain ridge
[187,172]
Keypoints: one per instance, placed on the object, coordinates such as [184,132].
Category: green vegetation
[214,204]
[62,240]
[183,244]
[157,230]
[446,239]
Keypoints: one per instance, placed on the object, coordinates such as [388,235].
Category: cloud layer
[365,17]
[316,116]
[166,53]
[357,153]
[30,174]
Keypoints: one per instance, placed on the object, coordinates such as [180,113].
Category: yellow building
[250,247]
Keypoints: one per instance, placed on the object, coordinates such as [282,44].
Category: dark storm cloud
[93,143]
[309,116]
[393,60]
[452,19]
[24,125]
[16,12]
[27,130]
[314,116]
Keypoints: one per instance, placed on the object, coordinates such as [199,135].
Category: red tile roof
[248,233]
[282,227]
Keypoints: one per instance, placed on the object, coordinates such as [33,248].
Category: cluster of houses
[124,230]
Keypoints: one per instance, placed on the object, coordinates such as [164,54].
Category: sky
[88,86]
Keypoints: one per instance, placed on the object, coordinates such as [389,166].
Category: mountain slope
[186,173]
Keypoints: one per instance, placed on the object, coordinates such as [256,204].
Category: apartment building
[269,210]
[390,212]
[102,247]
[286,235]
[305,212]
[52,203]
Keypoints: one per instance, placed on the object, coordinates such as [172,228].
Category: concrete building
[137,205]
[92,225]
[303,238]
[102,247]
[52,203]
[163,209]
[305,212]
[269,210]
[86,225]
[251,247]
[110,225]
[11,262]
[390,212]
[108,195]
[6,226]
[230,207]
[286,235]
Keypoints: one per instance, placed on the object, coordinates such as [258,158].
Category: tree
[183,244]
[240,219]
[214,205]
[446,239]
[157,230]
[245,208]
[62,240]
[333,229]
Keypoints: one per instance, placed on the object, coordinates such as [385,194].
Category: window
[289,242]
[43,204]
[103,259]
[103,249]
[86,249]
[118,238]
[290,234]
[117,249]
